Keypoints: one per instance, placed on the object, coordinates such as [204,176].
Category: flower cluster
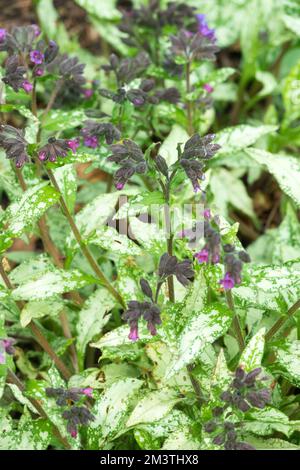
[196,152]
[131,159]
[14,144]
[6,347]
[233,261]
[92,130]
[210,253]
[169,265]
[53,149]
[126,70]
[147,310]
[152,17]
[244,392]
[192,46]
[74,415]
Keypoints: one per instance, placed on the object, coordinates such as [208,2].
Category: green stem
[12,378]
[84,249]
[189,104]
[281,321]
[235,322]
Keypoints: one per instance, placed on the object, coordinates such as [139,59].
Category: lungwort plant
[150,247]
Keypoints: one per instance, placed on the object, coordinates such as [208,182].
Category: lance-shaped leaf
[252,356]
[201,329]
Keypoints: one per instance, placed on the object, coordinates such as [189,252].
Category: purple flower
[203,28]
[39,72]
[207,214]
[119,186]
[37,57]
[73,432]
[133,335]
[91,141]
[6,346]
[227,282]
[27,86]
[202,256]
[36,29]
[73,144]
[207,87]
[88,391]
[88,93]
[2,34]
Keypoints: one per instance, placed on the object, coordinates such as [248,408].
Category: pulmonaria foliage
[93,130]
[245,391]
[131,159]
[233,262]
[14,144]
[6,347]
[169,265]
[196,152]
[53,149]
[74,415]
[192,46]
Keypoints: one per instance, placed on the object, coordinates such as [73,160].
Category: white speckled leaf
[287,361]
[30,435]
[66,178]
[116,244]
[40,309]
[233,139]
[111,410]
[201,329]
[52,283]
[265,422]
[181,440]
[97,9]
[93,317]
[150,236]
[284,168]
[168,149]
[22,214]
[153,407]
[253,353]
[59,120]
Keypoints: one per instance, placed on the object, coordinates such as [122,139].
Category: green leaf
[252,355]
[265,422]
[59,120]
[111,411]
[116,244]
[52,283]
[92,318]
[168,149]
[66,178]
[40,309]
[181,440]
[284,168]
[21,215]
[30,434]
[233,139]
[109,12]
[202,328]
[292,23]
[287,361]
[153,407]
[269,287]
[291,95]
[228,190]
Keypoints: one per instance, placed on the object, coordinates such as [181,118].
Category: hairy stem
[12,378]
[37,332]
[235,322]
[281,321]
[84,249]
[189,104]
